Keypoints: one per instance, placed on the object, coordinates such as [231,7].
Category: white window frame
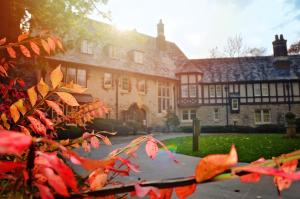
[163,96]
[234,101]
[107,80]
[185,91]
[86,47]
[257,90]
[262,116]
[212,88]
[188,112]
[193,90]
[219,90]
[138,57]
[265,90]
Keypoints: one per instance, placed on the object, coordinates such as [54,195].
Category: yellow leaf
[32,95]
[43,88]
[14,113]
[20,105]
[56,77]
[4,119]
[68,98]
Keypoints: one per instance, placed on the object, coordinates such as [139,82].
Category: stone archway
[135,114]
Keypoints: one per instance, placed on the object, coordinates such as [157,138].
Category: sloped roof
[162,63]
[247,69]
[188,67]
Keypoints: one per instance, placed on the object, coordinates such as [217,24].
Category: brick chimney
[160,39]
[279,46]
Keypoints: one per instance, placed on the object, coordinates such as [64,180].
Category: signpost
[196,133]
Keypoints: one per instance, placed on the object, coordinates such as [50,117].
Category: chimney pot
[279,46]
[281,37]
[276,37]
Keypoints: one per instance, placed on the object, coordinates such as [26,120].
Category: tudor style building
[240,91]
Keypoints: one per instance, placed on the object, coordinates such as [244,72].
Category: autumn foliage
[34,163]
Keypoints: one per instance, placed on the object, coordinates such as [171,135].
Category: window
[141,86]
[107,81]
[219,91]
[189,114]
[184,79]
[265,89]
[125,84]
[184,91]
[216,114]
[192,91]
[185,115]
[235,104]
[86,47]
[81,77]
[138,57]
[262,116]
[75,75]
[164,98]
[257,91]
[71,75]
[212,91]
[113,52]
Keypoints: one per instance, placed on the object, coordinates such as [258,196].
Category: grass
[250,147]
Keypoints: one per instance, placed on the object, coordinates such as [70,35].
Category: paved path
[162,167]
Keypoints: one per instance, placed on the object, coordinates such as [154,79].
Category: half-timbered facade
[240,91]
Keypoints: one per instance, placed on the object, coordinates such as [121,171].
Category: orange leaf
[55,107]
[2,41]
[91,165]
[24,130]
[13,142]
[20,105]
[164,194]
[185,191]
[4,120]
[43,88]
[11,52]
[95,142]
[67,98]
[97,179]
[51,44]
[45,46]
[213,165]
[37,126]
[56,77]
[14,113]
[22,37]
[58,43]
[32,95]
[34,47]
[25,51]
[151,148]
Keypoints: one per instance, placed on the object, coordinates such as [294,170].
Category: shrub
[69,132]
[290,118]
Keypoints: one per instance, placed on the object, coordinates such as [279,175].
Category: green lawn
[250,147]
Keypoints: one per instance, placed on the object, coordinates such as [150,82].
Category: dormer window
[113,52]
[86,47]
[138,57]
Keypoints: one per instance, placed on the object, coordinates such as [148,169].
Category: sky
[197,26]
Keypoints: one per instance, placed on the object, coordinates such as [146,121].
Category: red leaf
[288,167]
[143,191]
[37,126]
[164,194]
[86,146]
[11,52]
[55,107]
[250,178]
[45,46]
[45,192]
[24,130]
[34,47]
[13,142]
[185,191]
[151,148]
[60,167]
[95,142]
[25,51]
[55,181]
[49,124]
[21,83]
[213,165]
[6,166]
[3,71]
[130,165]
[2,41]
